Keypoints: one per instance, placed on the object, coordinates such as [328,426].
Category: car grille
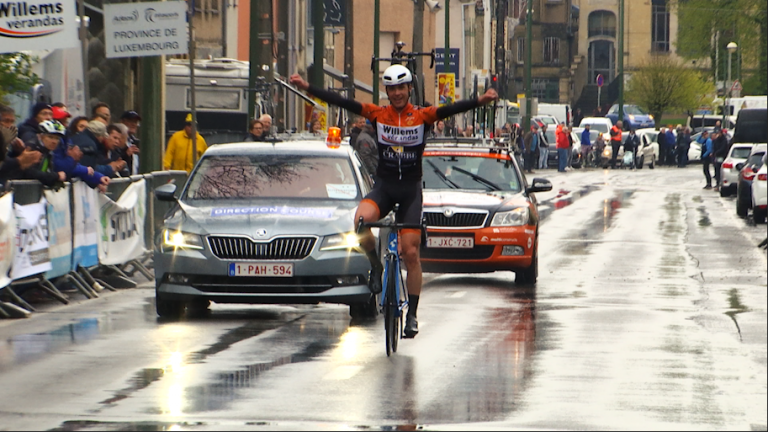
[435,219]
[261,285]
[476,253]
[243,248]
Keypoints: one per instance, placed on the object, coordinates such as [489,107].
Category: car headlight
[607,152]
[340,242]
[632,117]
[179,239]
[650,116]
[516,217]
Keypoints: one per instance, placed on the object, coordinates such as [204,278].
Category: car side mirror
[739,166]
[539,185]
[166,192]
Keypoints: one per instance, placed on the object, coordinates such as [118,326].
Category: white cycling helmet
[52,127]
[396,74]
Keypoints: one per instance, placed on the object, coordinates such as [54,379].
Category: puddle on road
[704,220]
[29,347]
[734,300]
[598,224]
[563,199]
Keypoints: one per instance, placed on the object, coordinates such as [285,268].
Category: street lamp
[731,47]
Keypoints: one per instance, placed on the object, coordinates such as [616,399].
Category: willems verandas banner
[36,25]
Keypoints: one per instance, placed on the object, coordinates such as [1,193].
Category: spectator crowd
[52,147]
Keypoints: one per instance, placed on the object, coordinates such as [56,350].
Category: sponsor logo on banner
[122,225]
[37,24]
[59,232]
[7,237]
[32,255]
[85,253]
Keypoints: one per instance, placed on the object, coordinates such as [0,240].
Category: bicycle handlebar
[393,225]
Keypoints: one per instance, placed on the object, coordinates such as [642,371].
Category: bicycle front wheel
[391,319]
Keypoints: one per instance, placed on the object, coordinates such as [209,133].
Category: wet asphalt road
[649,313]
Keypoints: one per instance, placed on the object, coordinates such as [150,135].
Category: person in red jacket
[561,134]
[615,133]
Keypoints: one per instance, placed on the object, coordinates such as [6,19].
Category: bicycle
[394,298]
[399,56]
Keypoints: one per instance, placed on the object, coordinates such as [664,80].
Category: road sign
[599,80]
[736,87]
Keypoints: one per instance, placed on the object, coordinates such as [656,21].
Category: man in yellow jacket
[178,154]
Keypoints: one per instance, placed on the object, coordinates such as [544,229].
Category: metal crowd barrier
[26,192]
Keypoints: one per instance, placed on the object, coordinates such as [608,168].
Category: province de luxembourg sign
[37,25]
[145,29]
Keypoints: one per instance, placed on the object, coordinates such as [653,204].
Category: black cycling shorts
[407,193]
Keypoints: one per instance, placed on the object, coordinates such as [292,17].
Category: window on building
[552,50]
[546,90]
[516,8]
[602,23]
[521,49]
[659,26]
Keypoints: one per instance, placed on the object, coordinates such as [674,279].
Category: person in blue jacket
[706,156]
[65,159]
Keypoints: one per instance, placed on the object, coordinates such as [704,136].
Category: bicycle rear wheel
[390,308]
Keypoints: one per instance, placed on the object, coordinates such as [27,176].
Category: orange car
[481,213]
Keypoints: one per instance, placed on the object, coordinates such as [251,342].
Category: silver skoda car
[265,223]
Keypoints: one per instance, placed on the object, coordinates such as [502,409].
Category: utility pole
[192,102]
[528,60]
[281,9]
[349,51]
[375,81]
[152,85]
[447,53]
[259,49]
[501,15]
[621,60]
[316,78]
[84,54]
[418,42]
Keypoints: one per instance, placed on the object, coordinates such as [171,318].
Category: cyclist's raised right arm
[336,99]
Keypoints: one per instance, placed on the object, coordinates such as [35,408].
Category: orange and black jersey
[400,135]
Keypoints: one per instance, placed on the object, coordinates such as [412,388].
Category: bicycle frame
[392,250]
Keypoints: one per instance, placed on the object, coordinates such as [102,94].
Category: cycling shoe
[374,281]
[411,326]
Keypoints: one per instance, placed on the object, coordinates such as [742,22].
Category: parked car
[760,193]
[747,173]
[648,153]
[265,224]
[545,119]
[694,151]
[634,117]
[599,124]
[701,122]
[481,213]
[729,175]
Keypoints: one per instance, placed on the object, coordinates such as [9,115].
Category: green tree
[742,21]
[663,84]
[16,73]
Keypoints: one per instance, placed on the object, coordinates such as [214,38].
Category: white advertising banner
[7,238]
[145,29]
[121,231]
[30,25]
[86,244]
[32,256]
[59,232]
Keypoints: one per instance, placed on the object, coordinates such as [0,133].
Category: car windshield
[470,172]
[741,152]
[270,176]
[598,127]
[548,120]
[634,110]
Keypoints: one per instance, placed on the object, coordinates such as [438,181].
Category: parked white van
[561,112]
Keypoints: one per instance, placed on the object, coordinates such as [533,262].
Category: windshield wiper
[478,179]
[442,176]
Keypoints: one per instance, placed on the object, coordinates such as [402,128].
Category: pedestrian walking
[561,135]
[530,144]
[669,152]
[683,146]
[178,155]
[543,148]
[719,153]
[661,139]
[586,144]
[568,166]
[631,144]
[706,157]
[615,133]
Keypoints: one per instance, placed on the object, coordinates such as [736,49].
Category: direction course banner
[59,232]
[31,25]
[7,237]
[121,227]
[32,256]
[145,29]
[86,243]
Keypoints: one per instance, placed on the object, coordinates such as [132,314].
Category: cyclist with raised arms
[401,133]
